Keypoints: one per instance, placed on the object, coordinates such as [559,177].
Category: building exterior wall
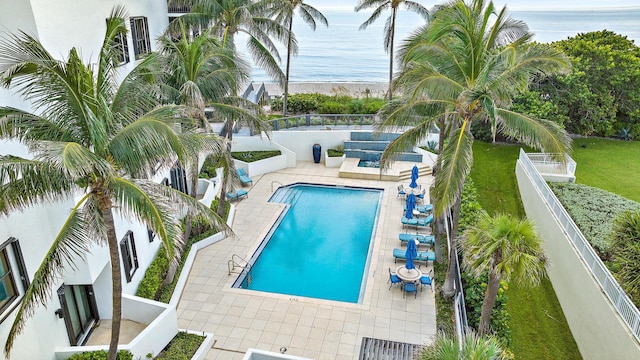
[598,330]
[61,25]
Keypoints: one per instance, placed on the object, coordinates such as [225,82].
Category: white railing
[549,163]
[619,299]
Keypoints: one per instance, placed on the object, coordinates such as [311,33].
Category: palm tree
[199,72]
[464,66]
[471,346]
[226,18]
[95,137]
[509,249]
[390,25]
[283,11]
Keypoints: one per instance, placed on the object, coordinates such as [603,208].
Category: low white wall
[301,142]
[333,162]
[208,189]
[263,166]
[598,330]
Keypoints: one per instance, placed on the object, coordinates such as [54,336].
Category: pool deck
[312,328]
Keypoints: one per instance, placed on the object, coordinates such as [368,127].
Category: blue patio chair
[424,256]
[410,287]
[422,239]
[244,179]
[427,280]
[393,279]
[401,192]
[427,208]
[420,197]
[237,195]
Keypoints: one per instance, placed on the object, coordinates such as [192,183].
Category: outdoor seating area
[244,178]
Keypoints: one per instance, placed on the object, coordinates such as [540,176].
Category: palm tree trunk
[393,31]
[116,277]
[439,225]
[448,289]
[223,186]
[489,301]
[286,79]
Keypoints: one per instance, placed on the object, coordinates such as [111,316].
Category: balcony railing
[177,8]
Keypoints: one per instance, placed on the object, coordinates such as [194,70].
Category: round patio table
[408,275]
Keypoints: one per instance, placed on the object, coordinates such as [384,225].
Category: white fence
[610,287]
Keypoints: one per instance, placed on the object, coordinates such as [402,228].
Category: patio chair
[416,222]
[410,287]
[401,192]
[420,197]
[238,194]
[244,179]
[422,239]
[427,280]
[424,256]
[393,279]
[409,222]
[427,208]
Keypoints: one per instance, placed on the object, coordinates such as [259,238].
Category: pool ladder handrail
[246,268]
[276,182]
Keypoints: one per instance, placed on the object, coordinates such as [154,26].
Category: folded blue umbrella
[414,177]
[410,205]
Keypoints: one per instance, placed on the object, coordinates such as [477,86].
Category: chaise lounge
[422,255]
[244,178]
[422,239]
[238,194]
[417,222]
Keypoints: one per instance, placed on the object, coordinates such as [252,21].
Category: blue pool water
[320,247]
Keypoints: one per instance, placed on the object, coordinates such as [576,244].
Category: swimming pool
[321,245]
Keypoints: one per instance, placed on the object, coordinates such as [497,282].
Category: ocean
[342,53]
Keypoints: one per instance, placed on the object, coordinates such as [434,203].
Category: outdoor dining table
[408,275]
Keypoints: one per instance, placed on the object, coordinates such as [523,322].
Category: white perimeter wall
[594,323]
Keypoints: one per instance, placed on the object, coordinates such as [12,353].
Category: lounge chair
[393,279]
[244,179]
[420,197]
[422,239]
[238,194]
[417,222]
[424,256]
[425,208]
[410,287]
[401,192]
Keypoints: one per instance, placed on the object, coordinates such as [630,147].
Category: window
[140,35]
[129,255]
[179,178]
[151,234]
[79,311]
[13,274]
[121,47]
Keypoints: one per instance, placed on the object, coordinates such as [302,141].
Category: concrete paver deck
[313,328]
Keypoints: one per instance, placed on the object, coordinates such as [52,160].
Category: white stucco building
[83,296]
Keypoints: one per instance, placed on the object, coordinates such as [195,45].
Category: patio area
[312,328]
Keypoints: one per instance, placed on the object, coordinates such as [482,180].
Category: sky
[511,4]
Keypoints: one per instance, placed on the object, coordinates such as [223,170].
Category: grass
[618,174]
[539,328]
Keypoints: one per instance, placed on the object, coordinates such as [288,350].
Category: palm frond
[541,134]
[264,58]
[25,183]
[455,164]
[404,143]
[311,15]
[374,16]
[27,127]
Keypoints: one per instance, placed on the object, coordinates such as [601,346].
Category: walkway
[317,329]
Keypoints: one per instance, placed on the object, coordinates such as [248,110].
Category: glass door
[79,309]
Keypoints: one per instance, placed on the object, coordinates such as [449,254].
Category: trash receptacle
[316,153]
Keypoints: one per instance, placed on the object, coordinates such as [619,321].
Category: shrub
[251,156]
[326,104]
[625,246]
[474,290]
[151,282]
[372,106]
[208,170]
[181,347]
[333,107]
[101,355]
[469,206]
[593,210]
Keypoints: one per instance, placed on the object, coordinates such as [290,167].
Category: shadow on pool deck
[313,328]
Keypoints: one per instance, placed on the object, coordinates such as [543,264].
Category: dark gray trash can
[316,153]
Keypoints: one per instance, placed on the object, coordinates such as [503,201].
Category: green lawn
[608,164]
[539,329]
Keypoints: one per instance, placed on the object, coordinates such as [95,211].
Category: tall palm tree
[471,346]
[466,65]
[226,18]
[200,73]
[95,137]
[284,11]
[390,25]
[509,249]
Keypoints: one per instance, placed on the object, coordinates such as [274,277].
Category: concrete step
[423,170]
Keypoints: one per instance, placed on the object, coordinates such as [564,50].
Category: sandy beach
[355,89]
